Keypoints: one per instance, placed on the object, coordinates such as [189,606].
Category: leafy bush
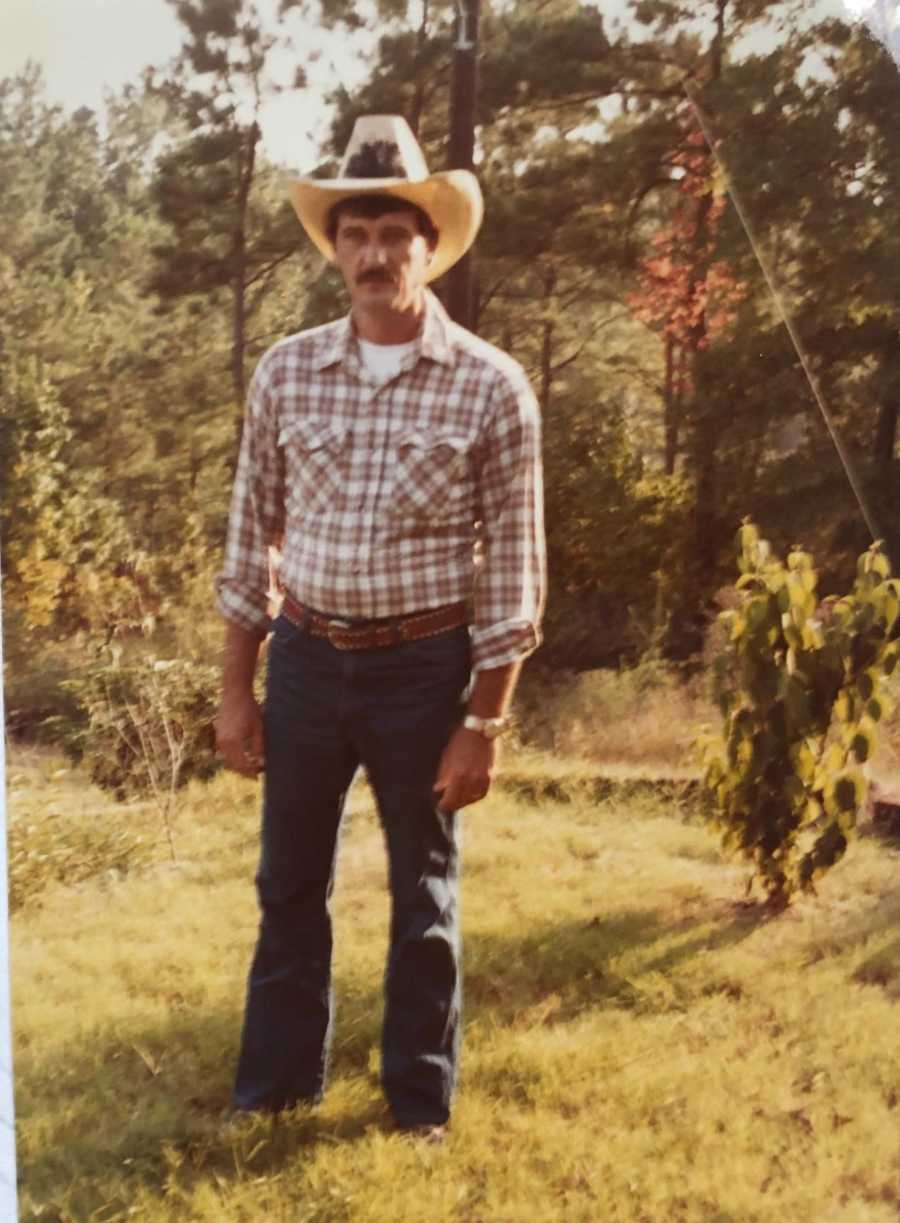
[801,685]
[35,668]
[148,728]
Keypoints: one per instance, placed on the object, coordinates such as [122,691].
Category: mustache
[375,277]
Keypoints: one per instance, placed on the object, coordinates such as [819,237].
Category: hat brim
[452,199]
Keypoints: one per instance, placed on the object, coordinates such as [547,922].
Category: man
[393,460]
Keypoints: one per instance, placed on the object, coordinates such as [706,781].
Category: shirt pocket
[431,479]
[316,464]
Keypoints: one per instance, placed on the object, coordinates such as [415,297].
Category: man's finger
[458,795]
[240,757]
[442,780]
[256,748]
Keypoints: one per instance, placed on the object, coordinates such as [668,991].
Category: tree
[227,231]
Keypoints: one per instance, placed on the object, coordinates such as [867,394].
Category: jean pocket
[315,464]
[431,476]
[284,631]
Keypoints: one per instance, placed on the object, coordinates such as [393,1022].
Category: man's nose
[374,254]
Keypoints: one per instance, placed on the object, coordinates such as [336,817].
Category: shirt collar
[339,344]
[435,341]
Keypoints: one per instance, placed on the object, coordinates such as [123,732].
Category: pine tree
[213,187]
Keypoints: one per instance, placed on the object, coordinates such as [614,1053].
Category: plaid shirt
[386,497]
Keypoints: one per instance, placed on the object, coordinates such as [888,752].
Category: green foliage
[76,563]
[606,602]
[801,686]
[116,421]
[145,722]
[147,729]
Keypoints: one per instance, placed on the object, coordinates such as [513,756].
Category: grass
[639,1045]
[621,717]
[62,831]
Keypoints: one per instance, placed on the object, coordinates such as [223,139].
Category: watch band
[491,728]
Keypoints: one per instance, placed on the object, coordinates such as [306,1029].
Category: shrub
[801,686]
[148,728]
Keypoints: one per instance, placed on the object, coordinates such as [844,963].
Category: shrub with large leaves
[801,685]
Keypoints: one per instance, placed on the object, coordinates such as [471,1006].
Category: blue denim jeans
[327,711]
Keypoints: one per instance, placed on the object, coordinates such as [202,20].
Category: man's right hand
[239,734]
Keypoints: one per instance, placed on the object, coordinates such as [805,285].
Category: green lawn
[639,1044]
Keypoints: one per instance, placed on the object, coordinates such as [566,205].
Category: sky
[88,46]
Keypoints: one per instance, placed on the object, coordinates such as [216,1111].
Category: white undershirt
[384,360]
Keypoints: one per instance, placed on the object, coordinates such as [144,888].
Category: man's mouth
[375,278]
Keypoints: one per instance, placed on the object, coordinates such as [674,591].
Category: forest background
[149,256]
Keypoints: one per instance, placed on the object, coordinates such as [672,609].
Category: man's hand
[464,774]
[239,734]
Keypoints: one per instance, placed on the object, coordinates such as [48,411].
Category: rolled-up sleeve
[511,582]
[256,518]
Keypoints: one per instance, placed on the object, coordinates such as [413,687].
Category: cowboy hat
[384,158]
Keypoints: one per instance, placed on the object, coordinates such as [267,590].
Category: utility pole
[460,281]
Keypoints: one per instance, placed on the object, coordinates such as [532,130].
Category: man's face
[384,261]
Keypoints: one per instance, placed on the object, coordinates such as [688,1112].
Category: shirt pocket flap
[418,439]
[313,434]
[431,478]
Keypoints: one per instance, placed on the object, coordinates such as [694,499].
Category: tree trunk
[885,440]
[462,146]
[418,101]
[887,469]
[239,275]
[705,447]
[886,431]
[672,405]
[706,424]
[547,329]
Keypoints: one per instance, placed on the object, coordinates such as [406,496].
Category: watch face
[489,727]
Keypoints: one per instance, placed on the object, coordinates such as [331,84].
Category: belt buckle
[335,626]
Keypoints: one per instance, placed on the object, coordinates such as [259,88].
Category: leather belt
[372,634]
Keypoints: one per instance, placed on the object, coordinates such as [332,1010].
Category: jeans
[327,711]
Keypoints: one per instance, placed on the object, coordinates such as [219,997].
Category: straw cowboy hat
[384,158]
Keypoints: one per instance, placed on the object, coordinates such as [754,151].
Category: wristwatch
[491,728]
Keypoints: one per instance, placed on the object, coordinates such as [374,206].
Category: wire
[705,127]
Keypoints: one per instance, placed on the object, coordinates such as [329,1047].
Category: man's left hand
[464,774]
